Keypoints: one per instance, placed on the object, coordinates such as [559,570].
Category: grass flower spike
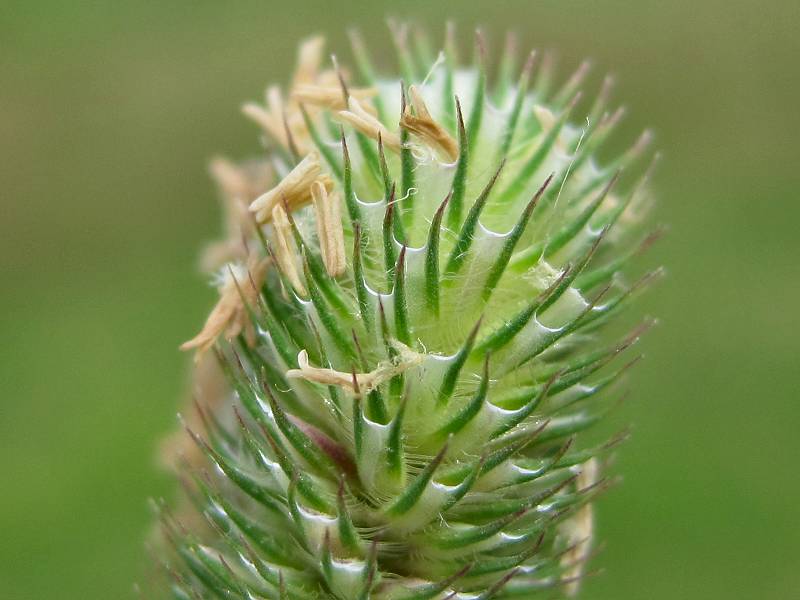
[415,284]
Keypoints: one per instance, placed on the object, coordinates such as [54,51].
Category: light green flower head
[412,288]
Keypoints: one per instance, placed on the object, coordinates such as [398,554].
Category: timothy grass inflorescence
[393,386]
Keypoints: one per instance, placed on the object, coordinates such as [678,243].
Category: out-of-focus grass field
[108,113]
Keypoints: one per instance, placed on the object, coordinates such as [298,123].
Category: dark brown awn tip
[462,132]
[402,97]
[537,545]
[359,350]
[372,561]
[356,387]
[442,206]
[579,75]
[381,310]
[552,490]
[631,338]
[457,575]
[392,194]
[596,300]
[531,437]
[648,173]
[201,443]
[562,450]
[290,138]
[650,239]
[473,333]
[527,70]
[554,286]
[500,584]
[340,77]
[631,363]
[437,460]
[575,99]
[201,413]
[605,89]
[480,47]
[572,547]
[610,121]
[597,489]
[326,541]
[564,581]
[240,419]
[550,381]
[226,565]
[243,240]
[401,261]
[345,151]
[645,280]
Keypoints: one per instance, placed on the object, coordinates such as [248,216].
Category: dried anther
[329,229]
[367,124]
[357,383]
[283,249]
[309,59]
[280,117]
[238,184]
[239,288]
[294,189]
[579,530]
[281,122]
[421,124]
[332,97]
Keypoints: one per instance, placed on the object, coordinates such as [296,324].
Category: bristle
[362,294]
[459,185]
[467,233]
[399,296]
[411,495]
[522,90]
[510,243]
[479,94]
[432,259]
[454,368]
[536,160]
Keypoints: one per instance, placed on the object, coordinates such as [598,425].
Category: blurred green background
[108,114]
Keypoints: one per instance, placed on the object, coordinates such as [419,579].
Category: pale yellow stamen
[267,118]
[367,124]
[332,97]
[229,317]
[276,116]
[365,382]
[237,185]
[329,229]
[309,59]
[579,530]
[422,125]
[228,176]
[283,249]
[294,189]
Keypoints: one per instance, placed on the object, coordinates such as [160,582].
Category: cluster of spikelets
[406,341]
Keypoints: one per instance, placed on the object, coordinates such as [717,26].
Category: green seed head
[393,386]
